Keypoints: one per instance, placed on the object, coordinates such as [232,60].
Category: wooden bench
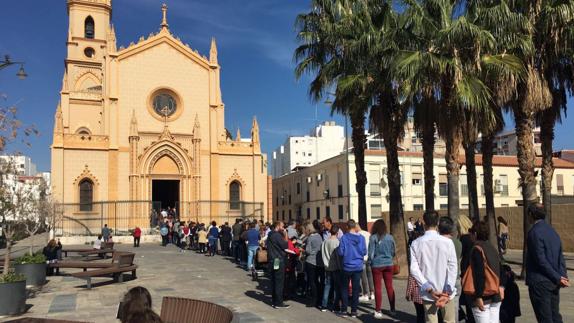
[86,264]
[124,264]
[183,310]
[97,252]
[105,245]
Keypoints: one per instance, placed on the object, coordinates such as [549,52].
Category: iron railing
[123,216]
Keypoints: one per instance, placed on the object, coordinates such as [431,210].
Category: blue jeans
[332,282]
[251,252]
[355,278]
[212,246]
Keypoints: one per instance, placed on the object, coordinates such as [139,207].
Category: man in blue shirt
[352,250]
[252,238]
[545,267]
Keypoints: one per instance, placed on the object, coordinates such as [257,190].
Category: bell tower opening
[165,193]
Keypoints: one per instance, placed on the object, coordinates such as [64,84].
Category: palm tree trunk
[487,154]
[453,142]
[393,120]
[546,137]
[428,162]
[524,122]
[469,152]
[359,138]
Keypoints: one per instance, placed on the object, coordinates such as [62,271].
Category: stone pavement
[167,272]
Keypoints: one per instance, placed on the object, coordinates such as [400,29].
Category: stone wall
[563,222]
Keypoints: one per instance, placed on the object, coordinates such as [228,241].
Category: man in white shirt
[434,266]
[98,243]
[411,230]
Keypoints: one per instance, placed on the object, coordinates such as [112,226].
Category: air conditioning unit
[319,177]
[497,186]
[309,179]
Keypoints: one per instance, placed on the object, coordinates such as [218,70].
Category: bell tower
[89,29]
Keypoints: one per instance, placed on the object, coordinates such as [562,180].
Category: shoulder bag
[491,280]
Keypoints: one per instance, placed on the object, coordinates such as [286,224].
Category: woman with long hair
[136,307]
[381,255]
[502,234]
[485,307]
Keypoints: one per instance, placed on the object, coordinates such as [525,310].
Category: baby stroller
[260,263]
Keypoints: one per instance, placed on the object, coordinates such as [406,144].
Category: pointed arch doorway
[166,185]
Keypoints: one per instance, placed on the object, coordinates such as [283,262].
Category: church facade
[147,123]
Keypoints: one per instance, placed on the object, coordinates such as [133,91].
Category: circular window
[164,104]
[89,52]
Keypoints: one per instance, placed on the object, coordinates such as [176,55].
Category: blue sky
[256,39]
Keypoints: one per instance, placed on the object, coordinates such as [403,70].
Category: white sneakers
[363,298]
[379,315]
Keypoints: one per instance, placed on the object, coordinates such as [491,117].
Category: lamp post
[7,62]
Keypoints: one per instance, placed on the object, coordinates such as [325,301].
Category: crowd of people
[455,273]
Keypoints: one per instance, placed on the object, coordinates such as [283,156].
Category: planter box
[13,298]
[35,273]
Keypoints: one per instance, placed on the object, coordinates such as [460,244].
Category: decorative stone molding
[235,177]
[86,174]
[169,153]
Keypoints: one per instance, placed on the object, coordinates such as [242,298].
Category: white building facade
[23,165]
[327,189]
[324,141]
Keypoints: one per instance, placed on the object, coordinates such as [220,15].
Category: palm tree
[509,29]
[325,35]
[425,118]
[450,48]
[550,31]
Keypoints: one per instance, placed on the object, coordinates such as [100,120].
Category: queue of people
[455,273]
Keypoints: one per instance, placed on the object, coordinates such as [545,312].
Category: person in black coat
[510,308]
[51,253]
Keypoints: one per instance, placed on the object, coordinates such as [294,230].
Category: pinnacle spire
[134,125]
[255,131]
[213,52]
[164,19]
[196,128]
[238,135]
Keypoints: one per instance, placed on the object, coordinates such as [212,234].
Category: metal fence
[123,216]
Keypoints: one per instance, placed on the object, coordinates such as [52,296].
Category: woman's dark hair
[379,228]
[317,226]
[502,220]
[136,301]
[334,230]
[252,225]
[446,225]
[481,230]
[147,316]
[213,223]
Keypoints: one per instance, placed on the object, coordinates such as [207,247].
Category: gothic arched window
[89,29]
[234,195]
[86,194]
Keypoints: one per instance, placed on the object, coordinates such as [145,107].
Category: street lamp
[7,62]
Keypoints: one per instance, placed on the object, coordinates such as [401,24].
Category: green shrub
[11,278]
[37,258]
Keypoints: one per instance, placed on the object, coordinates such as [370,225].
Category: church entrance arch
[166,170]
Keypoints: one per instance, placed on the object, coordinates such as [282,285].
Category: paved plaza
[167,272]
